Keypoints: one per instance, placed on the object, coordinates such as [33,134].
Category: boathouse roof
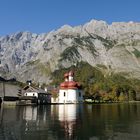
[29,88]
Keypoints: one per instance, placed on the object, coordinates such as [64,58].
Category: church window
[79,94]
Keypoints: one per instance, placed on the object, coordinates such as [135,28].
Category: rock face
[112,48]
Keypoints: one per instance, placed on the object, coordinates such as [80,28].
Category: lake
[71,122]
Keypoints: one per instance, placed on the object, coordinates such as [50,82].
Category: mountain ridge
[116,47]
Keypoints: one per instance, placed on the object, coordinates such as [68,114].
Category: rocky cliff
[111,48]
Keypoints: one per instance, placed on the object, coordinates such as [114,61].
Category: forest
[100,86]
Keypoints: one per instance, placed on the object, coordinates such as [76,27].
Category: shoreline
[109,102]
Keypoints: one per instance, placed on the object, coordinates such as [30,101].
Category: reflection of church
[40,122]
[67,118]
[45,118]
[70,91]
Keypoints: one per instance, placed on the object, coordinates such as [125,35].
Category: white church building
[70,91]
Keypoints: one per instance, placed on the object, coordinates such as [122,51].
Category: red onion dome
[72,84]
[64,85]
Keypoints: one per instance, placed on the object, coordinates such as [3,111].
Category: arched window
[64,94]
[79,94]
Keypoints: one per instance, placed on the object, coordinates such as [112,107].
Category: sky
[42,16]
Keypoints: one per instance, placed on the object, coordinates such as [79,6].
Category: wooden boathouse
[33,96]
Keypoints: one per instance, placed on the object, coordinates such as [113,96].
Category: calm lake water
[71,122]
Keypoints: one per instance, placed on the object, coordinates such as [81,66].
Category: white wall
[34,94]
[71,96]
[61,97]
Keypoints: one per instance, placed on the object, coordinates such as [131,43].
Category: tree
[132,95]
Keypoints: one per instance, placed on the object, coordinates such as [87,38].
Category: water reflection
[67,118]
[30,113]
[71,122]
[113,121]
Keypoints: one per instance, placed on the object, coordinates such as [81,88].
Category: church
[70,91]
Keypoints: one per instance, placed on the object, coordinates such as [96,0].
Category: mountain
[111,49]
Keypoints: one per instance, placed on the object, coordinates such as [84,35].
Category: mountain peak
[65,29]
[115,47]
[96,22]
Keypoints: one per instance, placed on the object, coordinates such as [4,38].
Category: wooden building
[9,93]
[34,95]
